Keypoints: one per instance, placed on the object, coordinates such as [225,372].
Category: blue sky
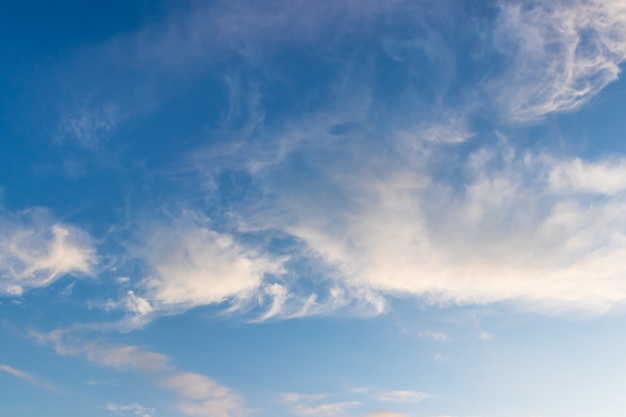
[312,208]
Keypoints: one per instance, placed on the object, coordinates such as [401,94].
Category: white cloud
[17,373]
[375,215]
[440,357]
[195,386]
[108,382]
[135,409]
[324,410]
[316,405]
[203,397]
[137,305]
[563,53]
[124,357]
[197,394]
[507,233]
[25,376]
[452,129]
[402,396]
[122,280]
[191,265]
[279,295]
[485,335]
[578,176]
[401,215]
[35,251]
[68,290]
[432,335]
[294,398]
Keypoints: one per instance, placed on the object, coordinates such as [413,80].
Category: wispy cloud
[90,128]
[36,250]
[191,265]
[198,395]
[316,405]
[203,397]
[503,235]
[578,176]
[502,227]
[186,44]
[485,335]
[327,409]
[372,211]
[435,336]
[562,54]
[31,379]
[123,357]
[134,409]
[402,396]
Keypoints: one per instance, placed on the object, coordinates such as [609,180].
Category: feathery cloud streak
[36,250]
[197,394]
[371,209]
[563,54]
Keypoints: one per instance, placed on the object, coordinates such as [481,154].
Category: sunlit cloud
[402,396]
[36,250]
[435,336]
[197,394]
[316,405]
[191,265]
[129,409]
[562,54]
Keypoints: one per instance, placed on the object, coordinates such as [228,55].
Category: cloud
[504,231]
[435,336]
[191,38]
[578,176]
[402,396]
[33,380]
[316,405]
[451,130]
[123,357]
[378,215]
[197,394]
[202,396]
[90,128]
[36,250]
[294,398]
[372,210]
[195,386]
[191,265]
[562,54]
[485,335]
[104,85]
[134,409]
[325,410]
[17,373]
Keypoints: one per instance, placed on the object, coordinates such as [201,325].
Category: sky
[331,208]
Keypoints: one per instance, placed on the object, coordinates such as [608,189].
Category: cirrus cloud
[36,250]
